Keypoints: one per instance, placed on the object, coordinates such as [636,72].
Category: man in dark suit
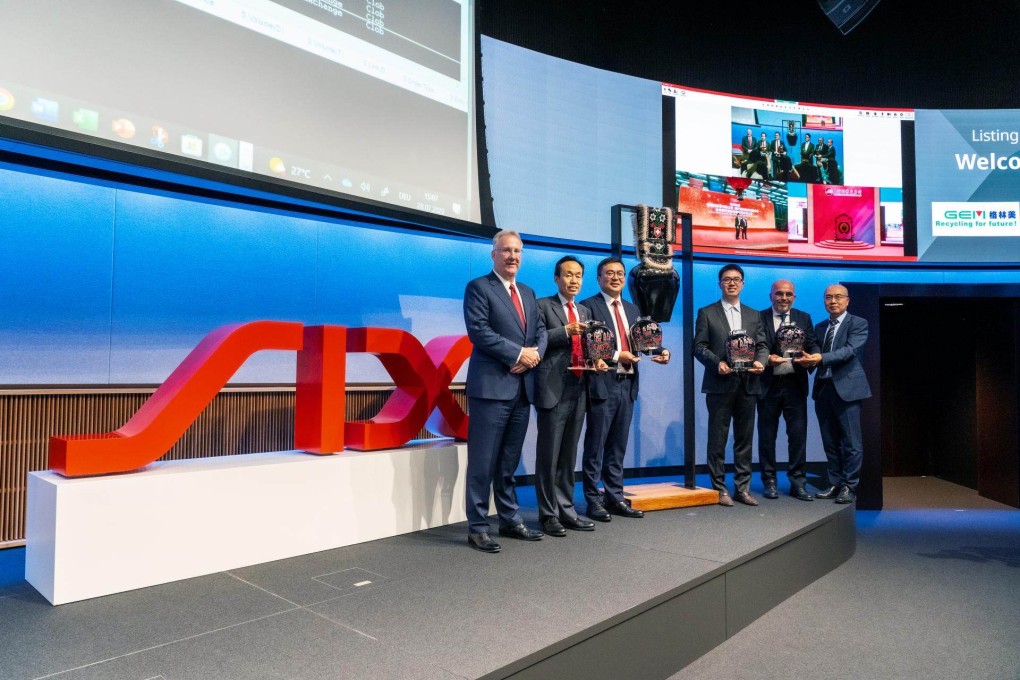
[784,391]
[611,403]
[730,395]
[807,149]
[748,143]
[840,387]
[561,401]
[508,338]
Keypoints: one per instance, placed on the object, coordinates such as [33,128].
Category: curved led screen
[789,179]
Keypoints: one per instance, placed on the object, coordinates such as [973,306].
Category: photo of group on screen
[786,147]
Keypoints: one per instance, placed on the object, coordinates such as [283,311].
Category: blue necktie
[829,334]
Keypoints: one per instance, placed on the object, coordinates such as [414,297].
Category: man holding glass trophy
[730,343]
[790,337]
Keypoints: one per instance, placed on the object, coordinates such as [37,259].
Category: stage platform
[637,598]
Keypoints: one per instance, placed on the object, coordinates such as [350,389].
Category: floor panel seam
[405,652]
[164,644]
[232,575]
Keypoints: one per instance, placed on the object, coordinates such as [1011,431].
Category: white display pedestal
[96,536]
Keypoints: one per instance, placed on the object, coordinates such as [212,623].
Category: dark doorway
[929,418]
[944,365]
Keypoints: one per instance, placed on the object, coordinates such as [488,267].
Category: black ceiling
[907,53]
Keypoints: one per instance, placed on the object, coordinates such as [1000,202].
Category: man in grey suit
[840,387]
[730,395]
[784,392]
[508,338]
[561,401]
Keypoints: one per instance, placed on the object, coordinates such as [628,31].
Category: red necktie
[517,303]
[576,358]
[624,344]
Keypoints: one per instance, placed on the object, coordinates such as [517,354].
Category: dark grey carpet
[928,594]
[417,606]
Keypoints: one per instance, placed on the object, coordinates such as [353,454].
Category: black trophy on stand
[654,282]
[597,342]
[740,350]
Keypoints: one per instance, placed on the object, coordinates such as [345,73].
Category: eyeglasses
[510,251]
[613,274]
[837,296]
[732,279]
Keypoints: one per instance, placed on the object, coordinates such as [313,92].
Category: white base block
[179,519]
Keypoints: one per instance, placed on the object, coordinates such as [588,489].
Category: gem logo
[975,219]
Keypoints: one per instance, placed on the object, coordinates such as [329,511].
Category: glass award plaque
[790,339]
[646,336]
[597,342]
[740,350]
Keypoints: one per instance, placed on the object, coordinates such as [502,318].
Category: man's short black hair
[567,258]
[731,267]
[608,260]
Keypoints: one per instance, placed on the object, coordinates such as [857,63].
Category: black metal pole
[616,230]
[687,324]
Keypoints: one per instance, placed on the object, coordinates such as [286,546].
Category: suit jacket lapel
[558,309]
[720,313]
[504,295]
[770,330]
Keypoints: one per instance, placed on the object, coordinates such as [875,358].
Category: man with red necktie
[508,341]
[611,405]
[561,401]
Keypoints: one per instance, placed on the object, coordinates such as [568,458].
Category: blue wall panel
[184,267]
[56,269]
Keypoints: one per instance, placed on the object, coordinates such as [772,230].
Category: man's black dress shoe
[846,496]
[597,512]
[522,532]
[623,510]
[724,499]
[828,494]
[771,491]
[578,524]
[745,498]
[483,542]
[552,527]
[801,494]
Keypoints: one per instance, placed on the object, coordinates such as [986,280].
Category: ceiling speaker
[847,14]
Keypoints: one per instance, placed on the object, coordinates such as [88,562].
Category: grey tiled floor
[421,605]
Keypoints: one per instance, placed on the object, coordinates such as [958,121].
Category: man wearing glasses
[729,394]
[784,387]
[612,395]
[840,387]
[508,340]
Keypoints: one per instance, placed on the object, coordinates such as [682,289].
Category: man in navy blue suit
[611,399]
[840,387]
[508,337]
[784,392]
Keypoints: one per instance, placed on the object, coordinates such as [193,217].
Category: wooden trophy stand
[666,495]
